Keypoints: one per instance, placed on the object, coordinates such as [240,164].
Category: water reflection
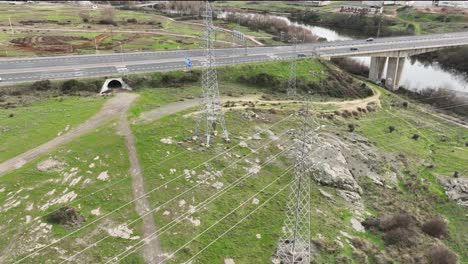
[416,75]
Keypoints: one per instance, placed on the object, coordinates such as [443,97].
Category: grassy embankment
[439,151]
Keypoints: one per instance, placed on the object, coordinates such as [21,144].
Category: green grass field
[41,121]
[76,175]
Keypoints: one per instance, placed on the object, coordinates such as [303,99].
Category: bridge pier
[394,70]
[376,68]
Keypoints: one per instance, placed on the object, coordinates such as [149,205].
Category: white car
[370,39]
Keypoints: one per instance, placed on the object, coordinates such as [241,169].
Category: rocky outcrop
[456,189]
[339,162]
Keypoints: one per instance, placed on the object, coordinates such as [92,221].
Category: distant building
[373,3]
[458,4]
[386,3]
[318,3]
[359,8]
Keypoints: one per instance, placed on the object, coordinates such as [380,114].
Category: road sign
[188,63]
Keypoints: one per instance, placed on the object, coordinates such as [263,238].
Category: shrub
[11,115]
[351,127]
[345,114]
[372,223]
[70,86]
[42,85]
[132,20]
[391,129]
[107,22]
[66,216]
[439,254]
[436,227]
[415,137]
[352,66]
[405,104]
[402,220]
[456,174]
[398,236]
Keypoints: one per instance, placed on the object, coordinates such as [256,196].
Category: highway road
[80,66]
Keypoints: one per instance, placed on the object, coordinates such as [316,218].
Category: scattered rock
[456,189]
[249,115]
[229,261]
[255,201]
[242,144]
[103,176]
[327,195]
[181,203]
[96,211]
[194,221]
[122,231]
[357,225]
[346,235]
[218,185]
[167,140]
[258,236]
[92,165]
[50,164]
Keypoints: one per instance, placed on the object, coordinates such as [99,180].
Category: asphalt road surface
[81,66]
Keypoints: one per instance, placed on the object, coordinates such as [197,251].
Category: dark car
[353,49]
[301,55]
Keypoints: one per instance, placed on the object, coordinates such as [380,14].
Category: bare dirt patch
[40,43]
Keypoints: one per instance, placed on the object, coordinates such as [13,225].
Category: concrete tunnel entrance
[114,84]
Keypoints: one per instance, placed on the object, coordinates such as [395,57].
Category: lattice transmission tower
[291,91]
[210,103]
[294,245]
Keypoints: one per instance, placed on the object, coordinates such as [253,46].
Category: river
[415,76]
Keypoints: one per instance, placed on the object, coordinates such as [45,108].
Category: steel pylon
[294,245]
[210,103]
[291,91]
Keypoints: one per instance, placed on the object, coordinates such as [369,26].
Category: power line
[132,201]
[127,178]
[236,224]
[235,209]
[150,211]
[231,212]
[202,204]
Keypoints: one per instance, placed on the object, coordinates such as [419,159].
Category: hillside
[375,183]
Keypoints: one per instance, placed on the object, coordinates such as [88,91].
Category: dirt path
[175,107]
[113,108]
[152,249]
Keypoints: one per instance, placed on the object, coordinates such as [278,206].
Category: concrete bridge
[394,50]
